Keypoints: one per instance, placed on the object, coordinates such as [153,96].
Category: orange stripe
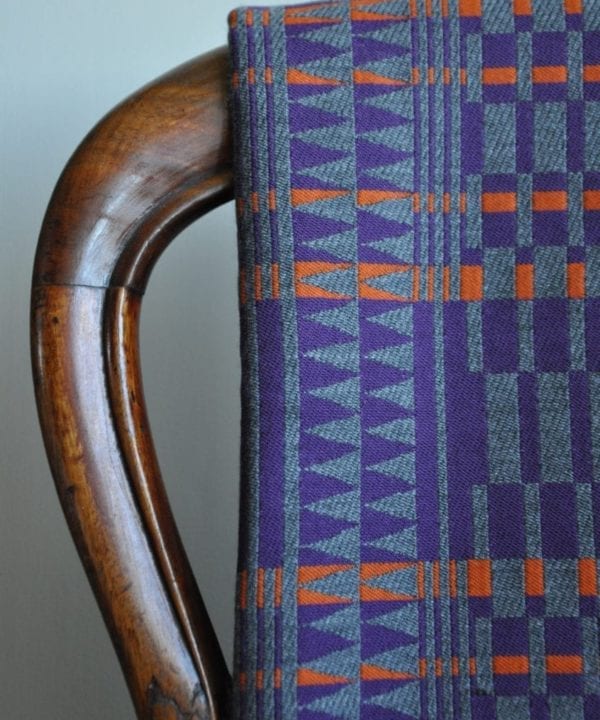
[471,282]
[446,284]
[469,8]
[269,75]
[368,571]
[297,77]
[524,287]
[416,282]
[576,280]
[510,664]
[278,587]
[534,577]
[277,677]
[374,672]
[301,196]
[254,202]
[573,7]
[499,76]
[306,269]
[366,16]
[260,676]
[312,597]
[522,7]
[497,202]
[309,573]
[435,578]
[370,197]
[588,577]
[249,17]
[430,282]
[549,200]
[366,77]
[564,664]
[591,199]
[272,200]
[549,74]
[591,73]
[312,677]
[479,578]
[275,280]
[257,283]
[266,20]
[452,579]
[260,588]
[233,19]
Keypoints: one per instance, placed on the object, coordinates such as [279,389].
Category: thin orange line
[591,199]
[591,73]
[499,76]
[576,280]
[564,664]
[549,200]
[499,202]
[510,664]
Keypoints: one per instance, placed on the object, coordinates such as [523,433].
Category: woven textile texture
[418,199]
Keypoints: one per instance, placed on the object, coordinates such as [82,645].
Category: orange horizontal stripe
[497,202]
[549,200]
[371,197]
[501,665]
[510,664]
[591,199]
[366,77]
[312,677]
[591,73]
[374,672]
[564,664]
[301,196]
[546,74]
[471,283]
[499,76]
[298,77]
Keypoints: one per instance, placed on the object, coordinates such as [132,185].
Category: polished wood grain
[157,162]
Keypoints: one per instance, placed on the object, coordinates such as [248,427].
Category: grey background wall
[63,64]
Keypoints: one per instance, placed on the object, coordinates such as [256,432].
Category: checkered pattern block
[418,198]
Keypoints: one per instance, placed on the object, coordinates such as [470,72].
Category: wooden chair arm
[157,162]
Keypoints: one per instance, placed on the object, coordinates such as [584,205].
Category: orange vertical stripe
[471,282]
[576,280]
[269,75]
[275,280]
[446,284]
[243,296]
[452,579]
[260,588]
[524,285]
[588,577]
[430,282]
[257,283]
[534,577]
[278,587]
[435,578]
[479,578]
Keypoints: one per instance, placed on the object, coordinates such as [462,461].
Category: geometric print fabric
[418,203]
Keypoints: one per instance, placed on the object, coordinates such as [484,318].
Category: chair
[156,163]
[437,373]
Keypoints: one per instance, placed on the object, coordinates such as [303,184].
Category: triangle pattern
[400,505]
[405,620]
[345,393]
[345,468]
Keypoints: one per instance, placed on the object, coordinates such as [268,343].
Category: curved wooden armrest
[157,162]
